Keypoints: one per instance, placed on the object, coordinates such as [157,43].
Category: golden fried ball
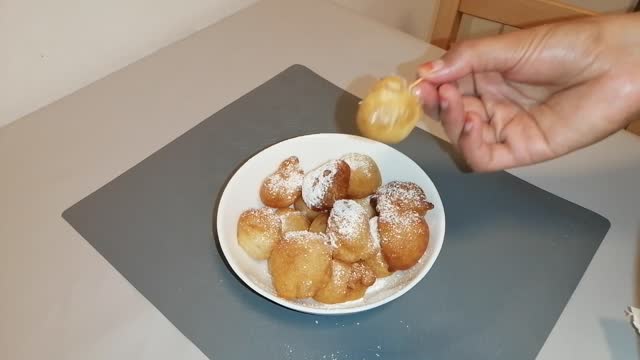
[403,196]
[367,205]
[319,224]
[326,184]
[301,206]
[281,188]
[376,262]
[258,231]
[348,227]
[365,175]
[300,264]
[348,282]
[292,220]
[404,237]
[389,112]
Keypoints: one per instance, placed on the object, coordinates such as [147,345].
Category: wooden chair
[516,13]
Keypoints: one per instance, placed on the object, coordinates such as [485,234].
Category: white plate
[242,192]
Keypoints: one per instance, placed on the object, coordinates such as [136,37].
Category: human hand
[536,94]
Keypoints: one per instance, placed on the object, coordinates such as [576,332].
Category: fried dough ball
[292,220]
[366,204]
[319,224]
[389,112]
[300,205]
[348,282]
[300,264]
[365,175]
[376,262]
[404,237]
[258,231]
[378,265]
[361,278]
[348,228]
[326,184]
[403,196]
[281,188]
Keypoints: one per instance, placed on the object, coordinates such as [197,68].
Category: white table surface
[59,299]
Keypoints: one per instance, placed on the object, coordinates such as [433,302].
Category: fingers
[428,95]
[430,98]
[451,111]
[495,53]
[467,126]
[483,155]
[476,105]
[501,113]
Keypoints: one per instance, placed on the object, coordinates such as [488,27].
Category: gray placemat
[512,256]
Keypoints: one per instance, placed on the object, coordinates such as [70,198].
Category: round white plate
[242,192]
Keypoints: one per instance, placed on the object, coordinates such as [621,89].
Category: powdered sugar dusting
[285,213]
[400,194]
[317,182]
[265,217]
[332,241]
[288,178]
[375,235]
[400,224]
[317,196]
[347,219]
[362,274]
[341,273]
[304,237]
[289,183]
[358,162]
[382,287]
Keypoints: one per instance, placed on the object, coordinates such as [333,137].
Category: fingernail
[430,67]
[468,125]
[444,104]
[417,91]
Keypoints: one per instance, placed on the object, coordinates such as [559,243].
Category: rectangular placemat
[512,256]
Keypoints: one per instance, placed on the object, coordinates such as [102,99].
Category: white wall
[415,17]
[50,48]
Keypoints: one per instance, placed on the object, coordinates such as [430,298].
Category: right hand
[536,94]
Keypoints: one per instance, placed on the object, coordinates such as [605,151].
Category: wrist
[621,53]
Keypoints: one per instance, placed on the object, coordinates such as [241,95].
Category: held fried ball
[389,112]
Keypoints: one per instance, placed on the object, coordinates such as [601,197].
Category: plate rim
[300,307]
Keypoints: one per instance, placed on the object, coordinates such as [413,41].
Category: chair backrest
[516,13]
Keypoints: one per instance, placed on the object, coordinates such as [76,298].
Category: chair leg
[447,24]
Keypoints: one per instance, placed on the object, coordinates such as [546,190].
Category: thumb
[496,53]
